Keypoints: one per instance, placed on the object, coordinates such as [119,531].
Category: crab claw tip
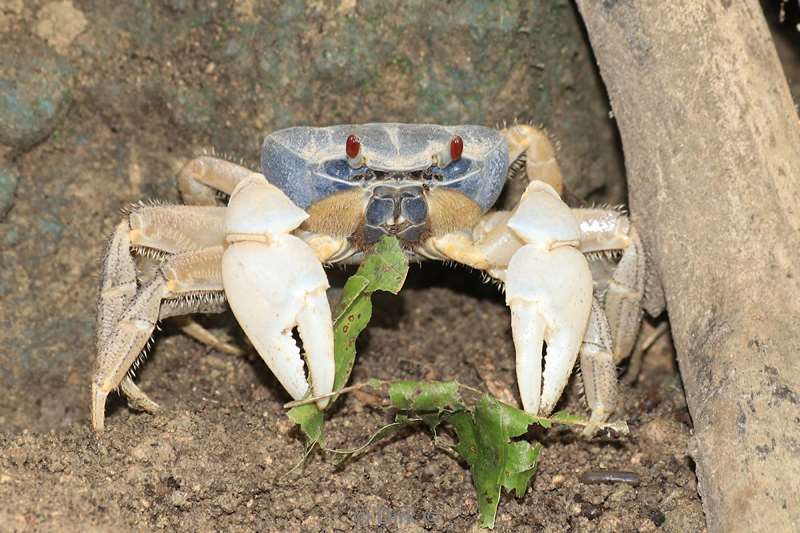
[273,288]
[550,295]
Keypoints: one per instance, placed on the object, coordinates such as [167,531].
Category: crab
[325,196]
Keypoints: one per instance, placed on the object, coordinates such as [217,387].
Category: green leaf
[345,332]
[354,288]
[434,420]
[546,423]
[386,266]
[484,441]
[385,269]
[522,460]
[311,422]
[424,395]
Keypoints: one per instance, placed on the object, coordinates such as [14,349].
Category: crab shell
[311,167]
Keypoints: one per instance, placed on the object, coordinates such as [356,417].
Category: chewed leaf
[424,395]
[509,421]
[484,441]
[311,422]
[520,466]
[384,269]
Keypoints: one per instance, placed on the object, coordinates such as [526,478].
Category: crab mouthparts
[399,210]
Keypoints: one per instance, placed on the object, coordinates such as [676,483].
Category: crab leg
[196,331]
[118,283]
[549,291]
[598,369]
[605,230]
[137,399]
[540,156]
[120,345]
[274,282]
[201,178]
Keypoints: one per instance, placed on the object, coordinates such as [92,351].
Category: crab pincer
[549,290]
[274,282]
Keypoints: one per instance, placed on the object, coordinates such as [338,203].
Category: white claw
[274,282]
[549,290]
[550,295]
[527,326]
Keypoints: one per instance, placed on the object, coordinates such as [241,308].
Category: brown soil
[217,457]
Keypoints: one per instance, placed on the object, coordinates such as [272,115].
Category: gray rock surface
[35,93]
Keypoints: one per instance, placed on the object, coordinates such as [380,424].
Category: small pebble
[59,23]
[591,511]
[657,517]
[594,477]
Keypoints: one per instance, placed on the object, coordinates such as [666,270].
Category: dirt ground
[119,95]
[216,457]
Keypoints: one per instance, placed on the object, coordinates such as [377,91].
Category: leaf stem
[306,401]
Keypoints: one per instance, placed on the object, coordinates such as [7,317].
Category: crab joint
[241,237]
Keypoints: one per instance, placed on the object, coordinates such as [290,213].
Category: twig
[343,390]
[373,383]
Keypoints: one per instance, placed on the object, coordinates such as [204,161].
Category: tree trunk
[712,149]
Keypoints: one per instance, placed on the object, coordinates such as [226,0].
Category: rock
[35,93]
[8,186]
[59,23]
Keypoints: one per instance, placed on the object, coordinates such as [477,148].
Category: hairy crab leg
[598,369]
[176,229]
[540,156]
[172,229]
[201,178]
[121,345]
[610,230]
[275,282]
[117,284]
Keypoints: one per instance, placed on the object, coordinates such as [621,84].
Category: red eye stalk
[352,146]
[456,148]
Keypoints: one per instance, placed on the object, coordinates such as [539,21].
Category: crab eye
[456,148]
[352,147]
